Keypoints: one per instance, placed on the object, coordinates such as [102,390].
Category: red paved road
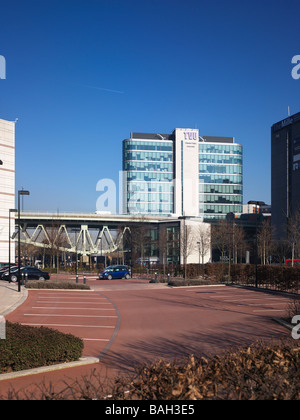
[147,322]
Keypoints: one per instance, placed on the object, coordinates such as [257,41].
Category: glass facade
[148,166]
[220,179]
[149,169]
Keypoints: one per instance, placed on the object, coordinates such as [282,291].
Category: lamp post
[10,211]
[20,192]
[256,203]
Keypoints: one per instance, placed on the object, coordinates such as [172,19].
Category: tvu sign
[190,135]
[2,67]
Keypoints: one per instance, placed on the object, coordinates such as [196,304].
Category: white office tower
[7,188]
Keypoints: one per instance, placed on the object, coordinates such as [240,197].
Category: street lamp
[256,203]
[10,211]
[20,192]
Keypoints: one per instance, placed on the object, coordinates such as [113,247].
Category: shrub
[55,285]
[28,347]
[261,372]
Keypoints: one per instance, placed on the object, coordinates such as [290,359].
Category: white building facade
[7,188]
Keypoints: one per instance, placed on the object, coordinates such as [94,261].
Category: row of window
[221,209]
[149,176]
[148,166]
[226,199]
[148,145]
[150,198]
[228,159]
[165,187]
[153,156]
[153,208]
[219,179]
[235,149]
[220,169]
[221,189]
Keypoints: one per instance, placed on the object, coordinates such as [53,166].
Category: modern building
[182,174]
[7,188]
[285,172]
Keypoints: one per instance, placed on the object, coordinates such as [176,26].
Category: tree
[293,236]
[187,243]
[203,240]
[264,240]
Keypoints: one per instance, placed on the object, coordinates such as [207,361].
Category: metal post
[76,278]
[84,279]
[19,251]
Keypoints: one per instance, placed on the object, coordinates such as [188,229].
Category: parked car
[115,272]
[30,273]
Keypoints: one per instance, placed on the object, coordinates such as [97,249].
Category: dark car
[115,272]
[29,273]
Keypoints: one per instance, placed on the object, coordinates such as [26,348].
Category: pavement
[10,298]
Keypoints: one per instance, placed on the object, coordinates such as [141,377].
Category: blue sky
[82,74]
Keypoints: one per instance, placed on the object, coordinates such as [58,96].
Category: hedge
[55,285]
[27,347]
[257,372]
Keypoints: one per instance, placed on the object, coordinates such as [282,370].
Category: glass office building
[182,174]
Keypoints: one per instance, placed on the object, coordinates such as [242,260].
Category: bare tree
[187,243]
[203,240]
[293,236]
[264,240]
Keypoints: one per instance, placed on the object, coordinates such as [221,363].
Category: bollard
[168,278]
[26,277]
[84,279]
[22,279]
[76,278]
[155,278]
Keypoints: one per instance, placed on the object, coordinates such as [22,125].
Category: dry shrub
[258,372]
[255,373]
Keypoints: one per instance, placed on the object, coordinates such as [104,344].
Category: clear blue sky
[82,74]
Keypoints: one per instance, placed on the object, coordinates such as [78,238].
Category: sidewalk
[10,298]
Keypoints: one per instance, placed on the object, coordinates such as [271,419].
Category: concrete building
[182,174]
[7,188]
[285,172]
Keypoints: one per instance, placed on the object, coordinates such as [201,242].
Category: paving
[10,297]
[125,323]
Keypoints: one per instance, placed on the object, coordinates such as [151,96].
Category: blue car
[115,272]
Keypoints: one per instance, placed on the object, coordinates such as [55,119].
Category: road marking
[81,316]
[95,339]
[62,301]
[268,310]
[59,307]
[71,297]
[239,300]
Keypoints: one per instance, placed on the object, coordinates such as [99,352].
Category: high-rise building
[182,174]
[7,188]
[285,172]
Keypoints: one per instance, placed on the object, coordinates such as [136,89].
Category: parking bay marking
[81,316]
[59,307]
[68,325]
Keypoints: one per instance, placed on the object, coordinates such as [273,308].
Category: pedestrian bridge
[84,233]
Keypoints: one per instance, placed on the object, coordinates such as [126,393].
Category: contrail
[100,88]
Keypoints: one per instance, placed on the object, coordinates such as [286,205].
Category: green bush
[55,285]
[28,347]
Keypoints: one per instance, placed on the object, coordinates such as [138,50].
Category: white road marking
[69,325]
[81,316]
[59,307]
